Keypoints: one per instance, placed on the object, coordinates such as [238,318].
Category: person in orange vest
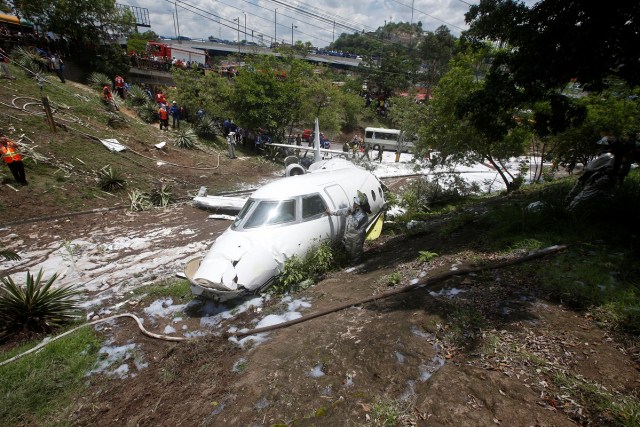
[13,159]
[164,117]
[119,86]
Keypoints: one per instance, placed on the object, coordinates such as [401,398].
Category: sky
[317,21]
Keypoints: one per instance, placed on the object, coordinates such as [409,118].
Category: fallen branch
[423,282]
[95,322]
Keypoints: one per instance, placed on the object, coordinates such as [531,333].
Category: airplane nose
[233,262]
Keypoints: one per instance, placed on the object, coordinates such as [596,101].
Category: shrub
[137,96]
[36,307]
[206,127]
[300,273]
[99,80]
[186,139]
[110,180]
[162,196]
[148,111]
[139,201]
[30,60]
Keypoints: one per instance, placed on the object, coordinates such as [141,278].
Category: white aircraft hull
[282,219]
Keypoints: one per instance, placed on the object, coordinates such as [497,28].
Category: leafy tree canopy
[137,42]
[555,41]
[82,22]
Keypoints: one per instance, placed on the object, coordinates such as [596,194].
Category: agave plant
[110,180]
[99,80]
[206,127]
[148,112]
[9,255]
[30,60]
[137,96]
[162,196]
[186,138]
[36,306]
[139,200]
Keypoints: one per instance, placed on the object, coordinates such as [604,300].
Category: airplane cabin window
[272,212]
[373,194]
[312,206]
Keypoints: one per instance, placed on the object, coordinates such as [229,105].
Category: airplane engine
[295,169]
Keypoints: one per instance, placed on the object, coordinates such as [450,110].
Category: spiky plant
[115,120]
[99,80]
[148,111]
[162,196]
[186,138]
[110,180]
[139,200]
[30,60]
[137,96]
[36,307]
[206,127]
[9,255]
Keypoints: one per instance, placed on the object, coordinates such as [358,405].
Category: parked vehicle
[388,139]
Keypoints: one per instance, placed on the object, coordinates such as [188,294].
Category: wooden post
[47,110]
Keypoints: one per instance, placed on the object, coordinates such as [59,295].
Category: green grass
[611,409]
[178,289]
[37,388]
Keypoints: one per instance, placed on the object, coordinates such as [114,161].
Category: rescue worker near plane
[355,227]
[13,159]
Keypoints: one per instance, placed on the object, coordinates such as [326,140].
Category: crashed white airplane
[279,220]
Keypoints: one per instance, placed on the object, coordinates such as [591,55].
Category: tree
[137,42]
[471,120]
[90,26]
[436,50]
[210,92]
[558,40]
[268,93]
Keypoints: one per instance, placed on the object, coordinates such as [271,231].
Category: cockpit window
[312,206]
[243,212]
[272,212]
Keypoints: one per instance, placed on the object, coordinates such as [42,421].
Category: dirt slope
[358,365]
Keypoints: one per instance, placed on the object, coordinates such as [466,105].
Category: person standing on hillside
[175,115]
[231,141]
[13,159]
[355,227]
[119,86]
[163,114]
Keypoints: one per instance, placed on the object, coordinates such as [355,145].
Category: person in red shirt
[160,98]
[120,86]
[13,159]
[164,117]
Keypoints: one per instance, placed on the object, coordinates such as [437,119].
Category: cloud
[320,22]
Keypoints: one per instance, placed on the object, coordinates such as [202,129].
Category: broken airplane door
[282,219]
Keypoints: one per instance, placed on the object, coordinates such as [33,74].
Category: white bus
[388,139]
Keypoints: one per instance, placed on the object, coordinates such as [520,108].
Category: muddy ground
[351,367]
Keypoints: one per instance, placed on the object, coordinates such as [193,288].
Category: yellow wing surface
[376,229]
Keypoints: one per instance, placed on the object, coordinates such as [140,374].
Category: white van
[388,139]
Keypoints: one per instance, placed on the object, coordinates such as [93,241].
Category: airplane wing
[298,147]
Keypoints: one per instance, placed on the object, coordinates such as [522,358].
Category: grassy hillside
[63,168]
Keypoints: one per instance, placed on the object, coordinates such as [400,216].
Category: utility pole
[177,21]
[334,31]
[411,27]
[292,27]
[245,25]
[238,20]
[275,25]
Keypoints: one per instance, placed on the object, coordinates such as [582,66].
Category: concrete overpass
[219,49]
